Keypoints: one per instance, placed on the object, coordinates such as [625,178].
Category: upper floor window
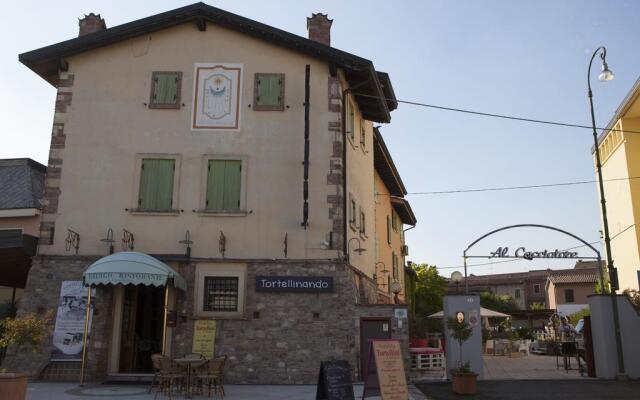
[156,189]
[362,222]
[363,136]
[352,211]
[351,119]
[268,92]
[395,221]
[568,296]
[517,294]
[224,185]
[394,261]
[536,288]
[388,229]
[165,89]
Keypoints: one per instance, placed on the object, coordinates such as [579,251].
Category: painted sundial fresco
[217,97]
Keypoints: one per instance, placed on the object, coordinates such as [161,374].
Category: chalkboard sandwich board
[334,381]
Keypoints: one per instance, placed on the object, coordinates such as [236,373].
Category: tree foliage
[536,306]
[461,332]
[430,288]
[28,330]
[500,303]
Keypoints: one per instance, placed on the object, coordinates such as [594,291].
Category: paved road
[587,389]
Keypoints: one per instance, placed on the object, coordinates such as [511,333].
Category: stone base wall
[280,339]
[41,296]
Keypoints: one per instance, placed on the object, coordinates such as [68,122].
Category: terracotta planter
[13,386]
[464,383]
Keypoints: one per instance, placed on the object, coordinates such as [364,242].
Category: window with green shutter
[224,183]
[268,92]
[388,229]
[394,261]
[351,120]
[156,185]
[165,89]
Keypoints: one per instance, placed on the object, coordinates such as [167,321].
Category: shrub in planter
[28,332]
[464,380]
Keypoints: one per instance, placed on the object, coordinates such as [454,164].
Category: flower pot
[464,383]
[13,386]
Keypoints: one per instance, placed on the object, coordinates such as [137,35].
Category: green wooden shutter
[165,90]
[156,185]
[269,92]
[388,230]
[232,177]
[215,185]
[224,185]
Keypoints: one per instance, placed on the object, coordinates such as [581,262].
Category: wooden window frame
[175,208]
[178,103]
[204,270]
[389,229]
[242,212]
[350,111]
[573,296]
[363,222]
[256,106]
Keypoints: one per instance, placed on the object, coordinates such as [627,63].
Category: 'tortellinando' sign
[522,252]
[299,284]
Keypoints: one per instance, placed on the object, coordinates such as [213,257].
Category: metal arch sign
[522,252]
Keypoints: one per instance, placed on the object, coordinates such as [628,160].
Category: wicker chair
[156,362]
[213,377]
[170,377]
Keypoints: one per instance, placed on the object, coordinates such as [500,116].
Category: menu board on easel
[334,381]
[384,375]
[204,337]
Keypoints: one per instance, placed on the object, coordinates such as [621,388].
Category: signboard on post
[334,381]
[204,337]
[69,329]
[387,379]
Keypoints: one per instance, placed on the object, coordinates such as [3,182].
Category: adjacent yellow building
[620,157]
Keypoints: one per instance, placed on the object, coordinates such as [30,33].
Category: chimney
[319,27]
[91,23]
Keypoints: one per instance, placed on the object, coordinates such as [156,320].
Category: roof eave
[47,60]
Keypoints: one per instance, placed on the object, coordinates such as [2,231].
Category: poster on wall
[69,329]
[204,337]
[216,99]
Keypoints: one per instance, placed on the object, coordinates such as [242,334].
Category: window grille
[220,294]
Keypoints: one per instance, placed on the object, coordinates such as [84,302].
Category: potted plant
[464,380]
[27,332]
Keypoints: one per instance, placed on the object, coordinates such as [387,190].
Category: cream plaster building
[620,156]
[235,153]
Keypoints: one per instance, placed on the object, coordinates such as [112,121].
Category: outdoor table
[189,364]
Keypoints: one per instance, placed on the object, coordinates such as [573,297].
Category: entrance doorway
[140,328]
[371,328]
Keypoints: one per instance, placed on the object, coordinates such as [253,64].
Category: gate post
[472,348]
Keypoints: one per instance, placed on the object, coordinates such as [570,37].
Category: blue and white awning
[132,268]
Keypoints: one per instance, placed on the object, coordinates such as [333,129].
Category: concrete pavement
[71,391]
[580,389]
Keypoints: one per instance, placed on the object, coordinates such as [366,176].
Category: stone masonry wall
[54,167]
[283,337]
[41,295]
[335,201]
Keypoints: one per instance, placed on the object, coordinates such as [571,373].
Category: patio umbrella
[484,312]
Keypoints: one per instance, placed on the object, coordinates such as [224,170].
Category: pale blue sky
[511,57]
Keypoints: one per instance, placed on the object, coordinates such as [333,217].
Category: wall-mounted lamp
[109,240]
[187,241]
[358,250]
[396,288]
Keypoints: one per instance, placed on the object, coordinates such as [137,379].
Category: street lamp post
[606,75]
